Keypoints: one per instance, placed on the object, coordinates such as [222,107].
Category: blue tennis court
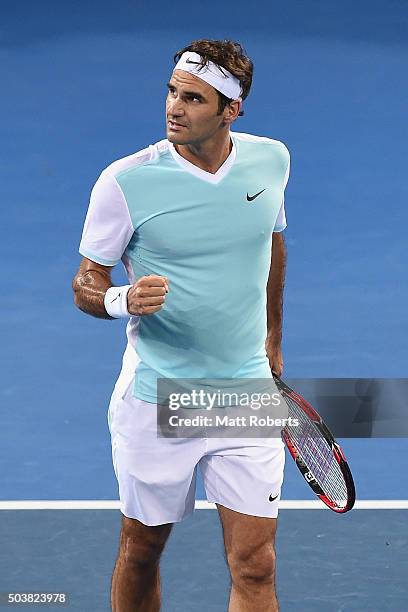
[329,82]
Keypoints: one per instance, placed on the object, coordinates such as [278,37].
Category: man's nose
[175,107]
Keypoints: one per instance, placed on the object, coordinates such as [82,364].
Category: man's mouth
[175,126]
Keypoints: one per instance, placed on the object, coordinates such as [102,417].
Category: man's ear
[232,110]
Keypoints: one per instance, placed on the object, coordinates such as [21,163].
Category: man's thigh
[156,476]
[244,475]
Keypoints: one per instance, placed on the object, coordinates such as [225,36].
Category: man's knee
[253,567]
[140,545]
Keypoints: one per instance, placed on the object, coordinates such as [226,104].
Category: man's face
[191,109]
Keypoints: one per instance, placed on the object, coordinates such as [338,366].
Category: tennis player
[197,221]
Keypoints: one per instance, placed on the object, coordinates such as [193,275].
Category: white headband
[226,83]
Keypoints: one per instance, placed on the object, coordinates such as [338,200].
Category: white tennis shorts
[157,476]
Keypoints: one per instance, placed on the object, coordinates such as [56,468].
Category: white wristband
[116,301]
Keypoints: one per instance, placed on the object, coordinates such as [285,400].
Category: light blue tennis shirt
[211,236]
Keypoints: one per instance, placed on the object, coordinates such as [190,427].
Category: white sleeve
[108,227]
[281,218]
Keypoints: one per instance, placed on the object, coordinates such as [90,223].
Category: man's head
[199,109]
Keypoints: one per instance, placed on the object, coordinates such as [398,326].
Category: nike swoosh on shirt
[250,198]
[271,499]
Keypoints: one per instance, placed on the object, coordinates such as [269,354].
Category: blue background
[84,85]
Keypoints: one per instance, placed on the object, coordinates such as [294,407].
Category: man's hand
[147,295]
[274,352]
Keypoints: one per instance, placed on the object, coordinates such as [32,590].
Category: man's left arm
[274,307]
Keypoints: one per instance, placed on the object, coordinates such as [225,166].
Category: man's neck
[207,157]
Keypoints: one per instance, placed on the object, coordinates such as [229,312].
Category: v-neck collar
[203,174]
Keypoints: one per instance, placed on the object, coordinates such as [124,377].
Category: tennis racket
[316,453]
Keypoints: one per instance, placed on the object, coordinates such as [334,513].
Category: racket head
[317,455]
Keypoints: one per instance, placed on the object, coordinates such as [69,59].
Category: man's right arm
[90,285]
[93,280]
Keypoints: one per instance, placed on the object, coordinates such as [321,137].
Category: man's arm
[274,308]
[90,285]
[93,280]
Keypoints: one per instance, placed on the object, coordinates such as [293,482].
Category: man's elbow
[76,285]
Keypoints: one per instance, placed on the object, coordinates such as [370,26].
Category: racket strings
[317,455]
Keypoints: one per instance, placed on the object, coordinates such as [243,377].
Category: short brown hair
[226,54]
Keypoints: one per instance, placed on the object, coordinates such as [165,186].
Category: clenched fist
[147,295]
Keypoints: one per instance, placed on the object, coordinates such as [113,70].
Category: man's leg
[250,551]
[136,578]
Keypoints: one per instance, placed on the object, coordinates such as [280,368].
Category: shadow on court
[325,562]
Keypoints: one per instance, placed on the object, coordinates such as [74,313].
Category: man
[195,219]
